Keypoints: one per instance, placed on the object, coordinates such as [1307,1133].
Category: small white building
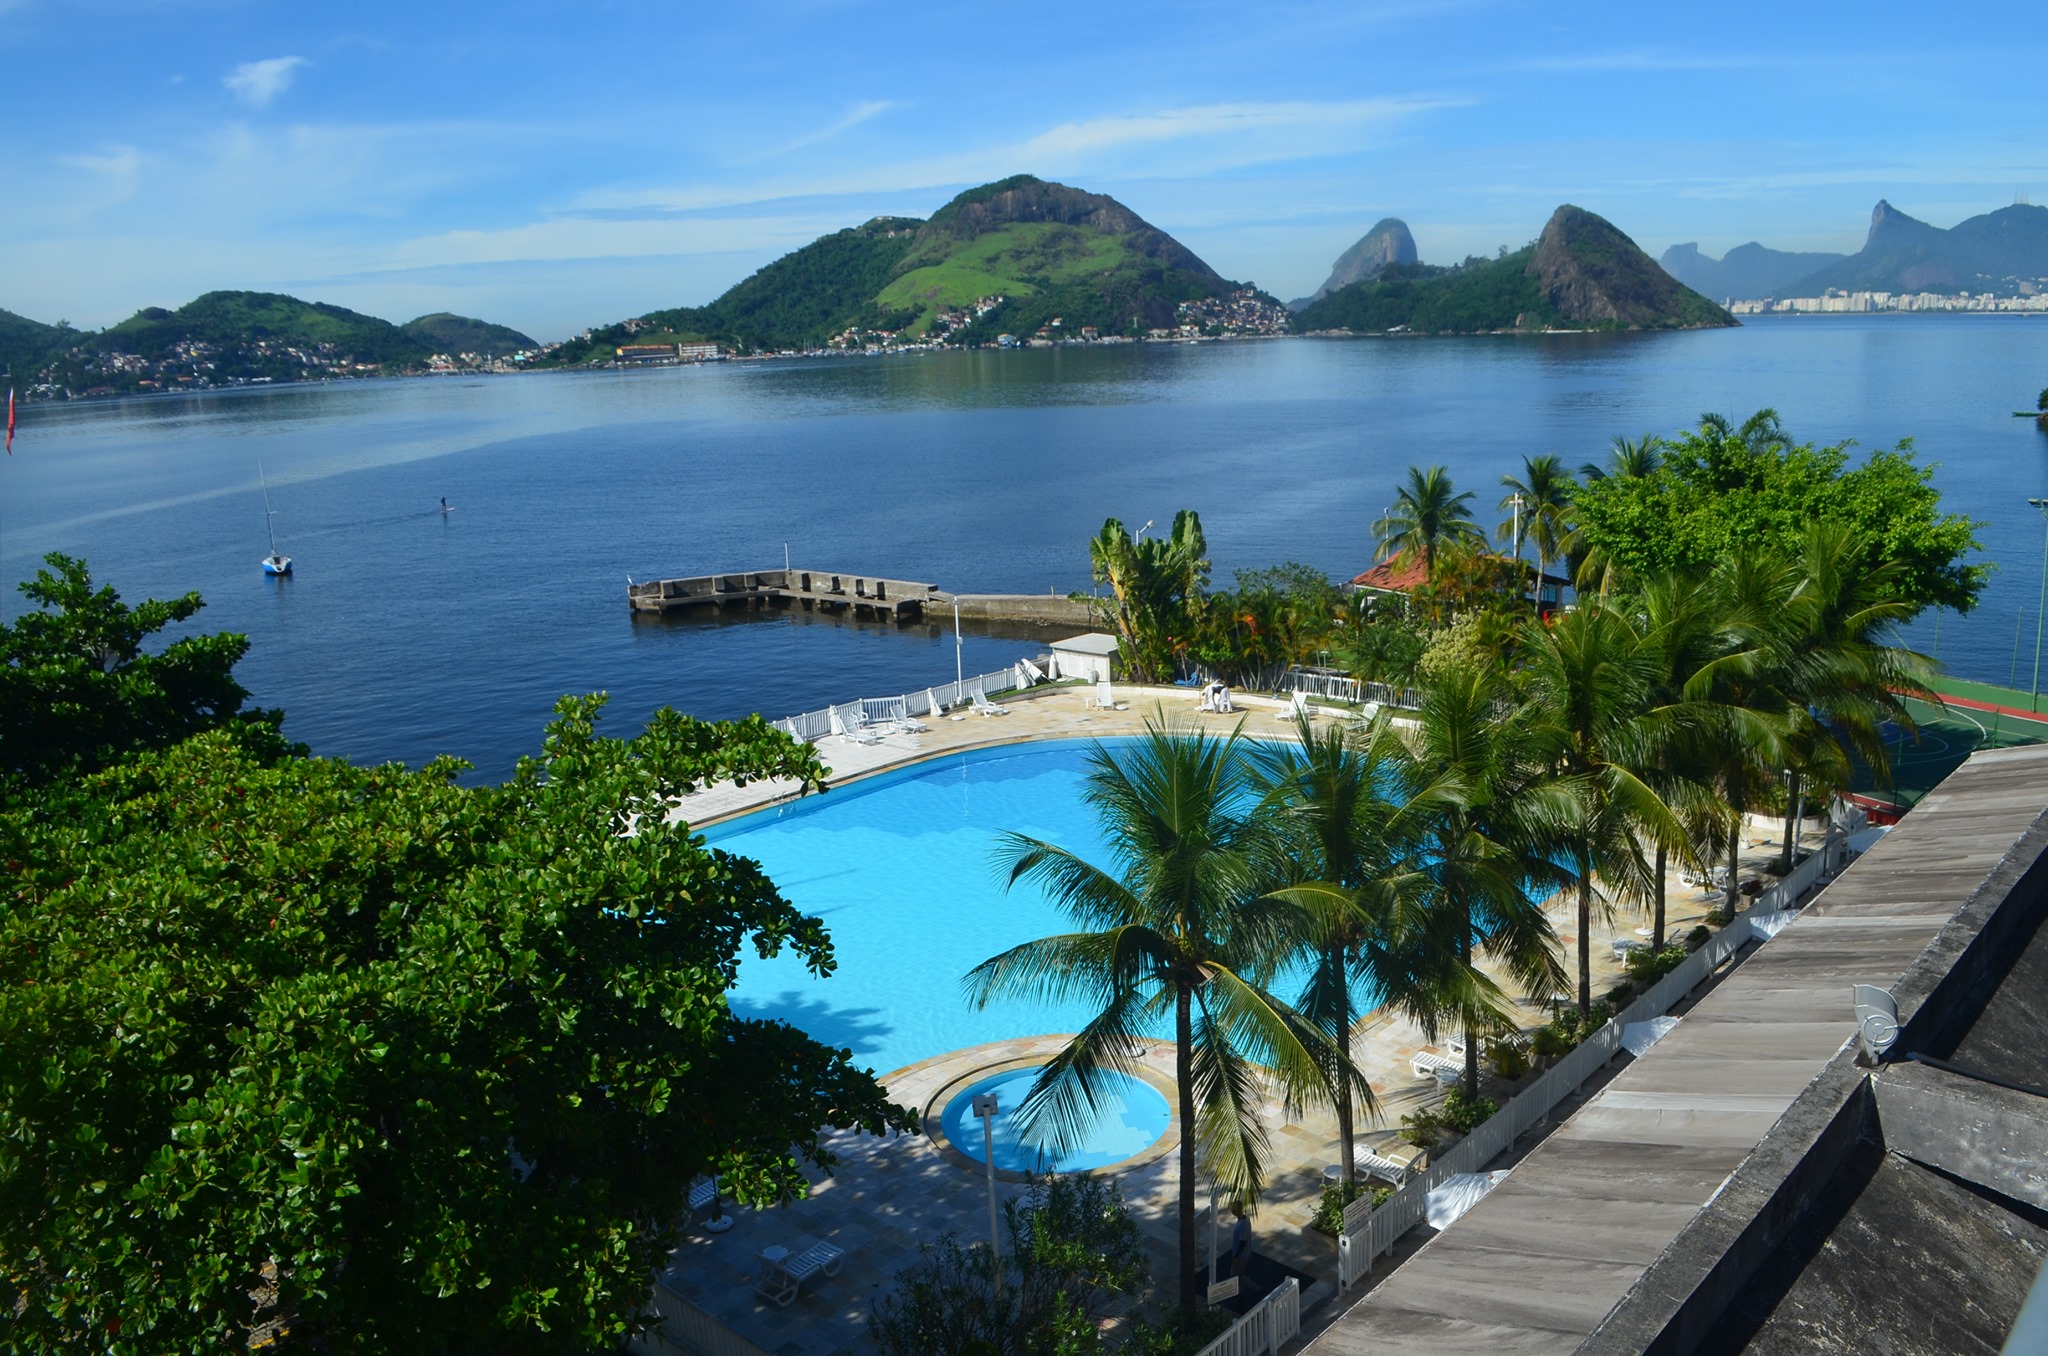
[1086,656]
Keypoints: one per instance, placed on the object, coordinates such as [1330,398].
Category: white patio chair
[984,707]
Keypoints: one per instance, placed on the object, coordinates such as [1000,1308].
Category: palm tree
[1681,620]
[1589,676]
[1635,457]
[1351,830]
[1428,513]
[1181,933]
[1542,501]
[1155,586]
[1485,853]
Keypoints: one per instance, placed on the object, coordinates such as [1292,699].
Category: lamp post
[985,1108]
[959,674]
[2041,612]
[1141,532]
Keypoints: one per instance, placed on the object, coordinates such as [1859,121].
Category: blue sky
[551,166]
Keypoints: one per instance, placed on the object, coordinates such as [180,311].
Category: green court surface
[1948,735]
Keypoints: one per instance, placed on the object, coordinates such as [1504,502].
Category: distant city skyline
[551,168]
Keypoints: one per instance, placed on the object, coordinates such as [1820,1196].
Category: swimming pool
[901,868]
[1133,1115]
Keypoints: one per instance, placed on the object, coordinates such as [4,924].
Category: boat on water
[277,562]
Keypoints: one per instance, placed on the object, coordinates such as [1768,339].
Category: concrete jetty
[866,596]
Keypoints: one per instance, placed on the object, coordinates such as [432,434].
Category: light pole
[2041,612]
[1141,532]
[985,1108]
[959,674]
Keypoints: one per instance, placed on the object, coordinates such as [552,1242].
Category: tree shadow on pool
[857,1029]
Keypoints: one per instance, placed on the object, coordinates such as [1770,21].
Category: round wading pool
[1133,1118]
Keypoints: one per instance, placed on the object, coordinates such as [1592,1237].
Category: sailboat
[277,562]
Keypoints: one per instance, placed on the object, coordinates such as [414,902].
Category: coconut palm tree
[1589,678]
[1486,852]
[1636,457]
[1180,934]
[1540,502]
[1351,829]
[1681,620]
[1428,513]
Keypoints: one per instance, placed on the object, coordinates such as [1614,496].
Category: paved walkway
[890,1196]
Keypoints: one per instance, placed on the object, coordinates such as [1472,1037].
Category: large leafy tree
[1429,513]
[1722,486]
[1180,934]
[78,689]
[1155,590]
[366,1060]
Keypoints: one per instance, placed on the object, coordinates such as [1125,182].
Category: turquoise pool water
[1132,1119]
[901,867]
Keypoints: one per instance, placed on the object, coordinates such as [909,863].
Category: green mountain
[1048,250]
[27,346]
[458,334]
[249,321]
[1581,273]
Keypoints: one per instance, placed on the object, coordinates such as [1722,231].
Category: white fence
[930,701]
[1266,1326]
[1332,685]
[1369,1232]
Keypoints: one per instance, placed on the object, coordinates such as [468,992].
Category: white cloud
[854,117]
[256,83]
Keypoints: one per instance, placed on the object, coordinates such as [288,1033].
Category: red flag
[10,421]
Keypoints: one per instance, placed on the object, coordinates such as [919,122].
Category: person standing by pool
[1240,1240]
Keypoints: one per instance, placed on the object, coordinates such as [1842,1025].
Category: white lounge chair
[853,725]
[984,707]
[1105,698]
[1386,1169]
[1298,708]
[781,1275]
[1430,1064]
[1370,712]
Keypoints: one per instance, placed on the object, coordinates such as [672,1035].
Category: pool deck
[887,1197]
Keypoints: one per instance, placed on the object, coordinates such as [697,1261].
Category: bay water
[406,633]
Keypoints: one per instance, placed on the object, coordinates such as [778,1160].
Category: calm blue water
[406,635]
[1132,1118]
[902,869]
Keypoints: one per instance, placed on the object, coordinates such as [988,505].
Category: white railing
[1369,1232]
[685,1327]
[815,725]
[1822,862]
[1267,1326]
[1333,686]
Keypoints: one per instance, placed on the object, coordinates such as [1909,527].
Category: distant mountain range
[226,337]
[1994,252]
[1009,257]
[1385,246]
[1581,273]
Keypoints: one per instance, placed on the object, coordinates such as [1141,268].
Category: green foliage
[2041,401]
[1697,938]
[27,345]
[1156,590]
[1329,1216]
[1721,486]
[1422,1129]
[1466,1114]
[78,691]
[385,1063]
[1471,298]
[1567,1028]
[1278,616]
[1384,641]
[1073,1250]
[1509,1057]
[1647,967]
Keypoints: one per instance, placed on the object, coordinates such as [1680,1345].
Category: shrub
[1697,938]
[1329,1217]
[1510,1060]
[1618,995]
[1565,1030]
[1647,967]
[1466,1114]
[1422,1129]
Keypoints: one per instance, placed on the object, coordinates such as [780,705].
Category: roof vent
[1877,1020]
